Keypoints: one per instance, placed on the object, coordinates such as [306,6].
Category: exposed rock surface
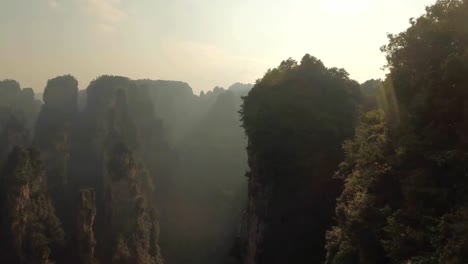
[30,229]
[85,223]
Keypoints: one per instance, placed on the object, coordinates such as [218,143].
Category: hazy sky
[203,42]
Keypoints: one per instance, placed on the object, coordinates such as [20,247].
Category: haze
[205,43]
[233,132]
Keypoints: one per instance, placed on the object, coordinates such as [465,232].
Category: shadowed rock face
[10,90]
[58,112]
[110,147]
[174,103]
[28,94]
[132,221]
[61,94]
[106,148]
[13,132]
[18,103]
[53,136]
[86,215]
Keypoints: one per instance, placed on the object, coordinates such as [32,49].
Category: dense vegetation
[309,167]
[406,176]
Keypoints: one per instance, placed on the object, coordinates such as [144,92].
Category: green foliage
[404,172]
[405,195]
[428,64]
[296,106]
[359,212]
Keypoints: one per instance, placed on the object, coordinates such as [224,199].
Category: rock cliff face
[53,138]
[18,112]
[253,225]
[13,132]
[131,219]
[19,102]
[111,147]
[296,119]
[175,103]
[30,228]
[85,222]
[287,212]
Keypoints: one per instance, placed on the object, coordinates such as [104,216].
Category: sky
[206,43]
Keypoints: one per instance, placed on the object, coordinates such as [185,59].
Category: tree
[406,203]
